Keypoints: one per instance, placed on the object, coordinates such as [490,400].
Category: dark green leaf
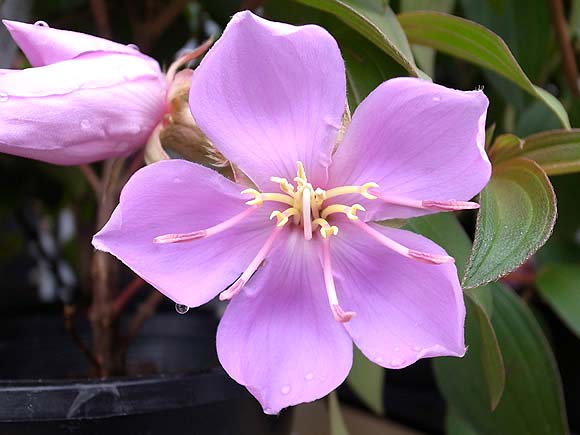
[517,215]
[366,380]
[456,425]
[556,151]
[532,401]
[375,20]
[559,286]
[474,43]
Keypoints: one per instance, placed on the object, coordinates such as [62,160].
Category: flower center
[306,204]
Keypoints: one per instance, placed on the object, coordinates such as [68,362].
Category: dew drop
[379,359]
[177,180]
[436,98]
[133,46]
[396,362]
[285,389]
[417,348]
[135,129]
[181,309]
[397,349]
[3,97]
[123,146]
[41,23]
[309,376]
[85,124]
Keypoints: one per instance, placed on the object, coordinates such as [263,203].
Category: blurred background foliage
[523,331]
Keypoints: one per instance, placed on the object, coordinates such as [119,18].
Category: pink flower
[86,98]
[271,96]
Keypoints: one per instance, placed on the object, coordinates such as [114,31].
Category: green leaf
[556,151]
[532,401]
[375,20]
[474,43]
[559,286]
[456,425]
[366,380]
[517,215]
[337,424]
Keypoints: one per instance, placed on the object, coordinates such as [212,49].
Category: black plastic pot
[41,392]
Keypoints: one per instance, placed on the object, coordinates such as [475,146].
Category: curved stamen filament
[260,197]
[326,229]
[282,216]
[235,288]
[208,232]
[347,190]
[306,220]
[337,312]
[403,250]
[349,211]
[285,187]
[429,204]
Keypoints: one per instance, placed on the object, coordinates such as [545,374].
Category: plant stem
[568,59]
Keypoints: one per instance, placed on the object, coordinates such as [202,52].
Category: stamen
[260,197]
[282,217]
[325,228]
[403,250]
[306,220]
[350,212]
[347,190]
[337,312]
[285,187]
[429,204]
[235,288]
[208,232]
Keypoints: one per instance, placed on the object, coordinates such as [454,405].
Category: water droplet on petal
[3,97]
[417,348]
[436,98]
[396,362]
[41,23]
[134,129]
[133,46]
[85,124]
[397,348]
[379,359]
[309,376]
[285,389]
[123,146]
[177,180]
[181,309]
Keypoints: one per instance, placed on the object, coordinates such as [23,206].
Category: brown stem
[92,178]
[99,10]
[568,59]
[101,313]
[69,312]
[147,31]
[145,310]
[127,293]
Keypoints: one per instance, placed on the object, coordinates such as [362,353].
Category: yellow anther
[282,217]
[347,190]
[364,190]
[326,229]
[301,173]
[284,185]
[350,212]
[257,197]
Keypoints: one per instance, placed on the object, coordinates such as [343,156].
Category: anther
[260,197]
[282,217]
[362,190]
[403,250]
[451,205]
[257,197]
[285,187]
[350,212]
[326,229]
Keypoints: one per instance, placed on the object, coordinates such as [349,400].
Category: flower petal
[43,45]
[278,336]
[406,309]
[270,94]
[417,140]
[82,110]
[176,196]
